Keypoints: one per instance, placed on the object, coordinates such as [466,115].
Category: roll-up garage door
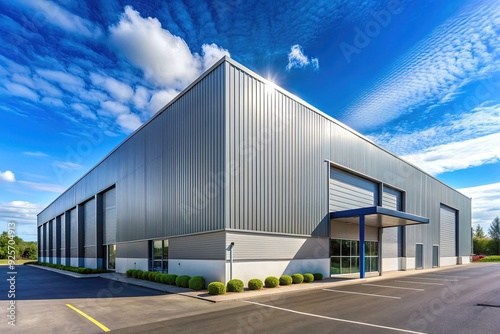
[391,243]
[447,231]
[348,191]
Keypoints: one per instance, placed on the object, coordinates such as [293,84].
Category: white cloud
[482,120]
[55,188]
[463,49]
[67,165]
[83,110]
[36,154]
[66,81]
[485,203]
[160,99]
[297,59]
[165,59]
[21,91]
[115,108]
[7,176]
[20,211]
[458,155]
[115,88]
[211,54]
[60,17]
[52,101]
[129,122]
[141,97]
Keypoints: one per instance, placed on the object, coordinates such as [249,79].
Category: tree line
[487,244]
[23,249]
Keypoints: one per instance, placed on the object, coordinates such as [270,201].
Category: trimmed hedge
[271,282]
[255,284]
[235,285]
[171,279]
[285,280]
[216,288]
[196,283]
[182,281]
[308,278]
[318,276]
[78,270]
[297,278]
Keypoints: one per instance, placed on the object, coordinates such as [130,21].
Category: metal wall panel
[447,231]
[168,174]
[73,236]
[341,230]
[109,216]
[348,191]
[62,227]
[253,246]
[133,250]
[391,199]
[209,246]
[89,227]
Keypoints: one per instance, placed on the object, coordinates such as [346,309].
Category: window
[345,256]
[111,257]
[158,258]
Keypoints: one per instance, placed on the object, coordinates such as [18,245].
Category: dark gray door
[419,256]
[435,256]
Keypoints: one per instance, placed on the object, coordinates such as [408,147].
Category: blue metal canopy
[378,217]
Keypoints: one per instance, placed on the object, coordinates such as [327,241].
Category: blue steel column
[362,246]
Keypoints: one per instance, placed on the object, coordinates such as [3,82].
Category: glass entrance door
[111,250]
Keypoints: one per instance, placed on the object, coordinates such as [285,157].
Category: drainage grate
[488,305]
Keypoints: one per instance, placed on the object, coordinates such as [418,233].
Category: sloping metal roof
[378,216]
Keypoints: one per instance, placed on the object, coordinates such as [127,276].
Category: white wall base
[90,263]
[73,262]
[390,264]
[465,259]
[447,261]
[246,270]
[123,264]
[410,263]
[211,270]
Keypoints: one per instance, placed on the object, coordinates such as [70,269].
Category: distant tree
[23,249]
[480,241]
[30,251]
[494,232]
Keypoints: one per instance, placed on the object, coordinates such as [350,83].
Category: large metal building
[237,177]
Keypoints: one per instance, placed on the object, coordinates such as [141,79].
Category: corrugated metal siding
[89,226]
[109,216]
[348,191]
[53,241]
[167,174]
[73,232]
[40,242]
[447,231]
[276,247]
[63,235]
[391,199]
[210,246]
[133,250]
[341,230]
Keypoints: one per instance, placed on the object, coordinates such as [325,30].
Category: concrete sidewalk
[247,294]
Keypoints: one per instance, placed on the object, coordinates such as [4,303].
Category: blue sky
[420,78]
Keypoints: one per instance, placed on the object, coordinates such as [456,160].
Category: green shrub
[196,283]
[163,278]
[297,278]
[308,278]
[216,288]
[130,273]
[171,278]
[151,275]
[318,276]
[136,273]
[182,281]
[235,285]
[255,284]
[271,282]
[157,277]
[285,280]
[144,275]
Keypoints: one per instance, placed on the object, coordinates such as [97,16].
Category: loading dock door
[348,191]
[435,256]
[447,231]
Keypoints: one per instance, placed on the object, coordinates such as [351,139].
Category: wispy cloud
[67,165]
[36,154]
[55,188]
[53,14]
[485,203]
[463,49]
[458,155]
[7,176]
[297,59]
[20,211]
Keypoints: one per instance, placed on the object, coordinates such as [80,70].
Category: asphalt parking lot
[464,299]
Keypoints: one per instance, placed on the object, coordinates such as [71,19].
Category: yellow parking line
[97,323]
